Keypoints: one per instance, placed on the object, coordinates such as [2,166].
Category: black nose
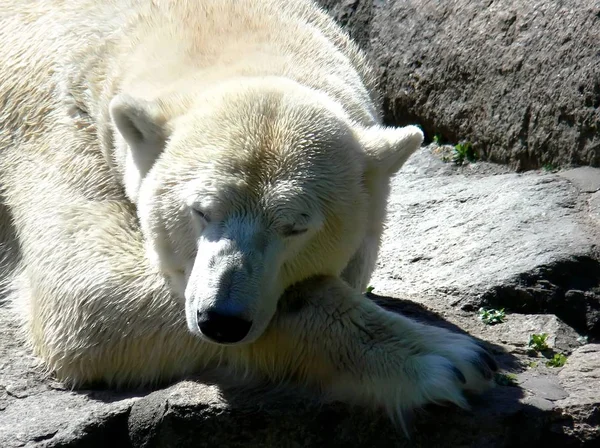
[223,328]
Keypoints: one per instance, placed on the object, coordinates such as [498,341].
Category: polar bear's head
[255,186]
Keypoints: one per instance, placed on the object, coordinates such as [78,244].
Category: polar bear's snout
[226,316]
[222,327]
[229,290]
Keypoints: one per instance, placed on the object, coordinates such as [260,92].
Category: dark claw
[481,344]
[485,372]
[459,375]
[489,359]
[491,362]
[483,368]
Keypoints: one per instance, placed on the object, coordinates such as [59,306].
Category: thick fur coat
[185,183]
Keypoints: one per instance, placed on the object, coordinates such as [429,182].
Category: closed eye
[201,214]
[292,231]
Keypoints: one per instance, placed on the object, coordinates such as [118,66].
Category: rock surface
[479,235]
[521,80]
[457,238]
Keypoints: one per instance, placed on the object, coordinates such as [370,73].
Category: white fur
[141,138]
[162,158]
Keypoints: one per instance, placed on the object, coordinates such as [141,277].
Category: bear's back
[53,46]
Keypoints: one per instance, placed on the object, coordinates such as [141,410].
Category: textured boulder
[479,235]
[456,238]
[521,80]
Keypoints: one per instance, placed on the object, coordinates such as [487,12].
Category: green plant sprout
[506,379]
[464,152]
[491,316]
[538,342]
[558,360]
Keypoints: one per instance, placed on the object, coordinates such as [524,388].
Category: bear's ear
[388,148]
[143,126]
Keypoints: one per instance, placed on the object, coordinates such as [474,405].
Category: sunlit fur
[148,149]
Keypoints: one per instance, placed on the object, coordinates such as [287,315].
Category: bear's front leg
[327,335]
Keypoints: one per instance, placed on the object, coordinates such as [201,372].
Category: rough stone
[514,333]
[299,424]
[521,80]
[581,377]
[594,204]
[477,235]
[586,178]
[36,410]
[546,387]
[579,419]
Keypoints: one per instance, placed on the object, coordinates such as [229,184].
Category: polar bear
[186,183]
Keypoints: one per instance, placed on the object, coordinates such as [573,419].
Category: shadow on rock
[421,314]
[215,412]
[193,414]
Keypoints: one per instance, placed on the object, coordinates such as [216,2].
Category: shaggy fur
[162,158]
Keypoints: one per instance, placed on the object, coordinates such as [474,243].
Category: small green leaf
[538,342]
[506,379]
[492,316]
[464,151]
[558,360]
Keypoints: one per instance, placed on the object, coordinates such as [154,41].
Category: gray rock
[581,377]
[513,334]
[544,386]
[36,411]
[594,205]
[475,236]
[580,419]
[521,80]
[186,421]
[586,178]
